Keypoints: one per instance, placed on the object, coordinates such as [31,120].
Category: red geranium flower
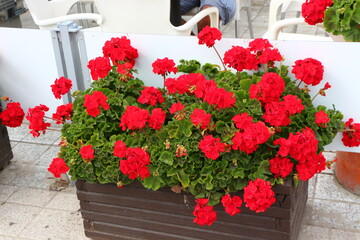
[269,89]
[308,70]
[61,86]
[351,138]
[211,147]
[240,58]
[204,214]
[119,149]
[219,97]
[200,118]
[13,115]
[321,118]
[258,195]
[316,163]
[231,204]
[280,166]
[209,35]
[136,163]
[36,118]
[176,107]
[63,113]
[58,167]
[94,101]
[164,66]
[151,96]
[99,67]
[313,10]
[242,120]
[87,152]
[157,118]
[134,118]
[119,50]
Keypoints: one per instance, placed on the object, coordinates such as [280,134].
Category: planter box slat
[216,231]
[184,220]
[5,148]
[134,212]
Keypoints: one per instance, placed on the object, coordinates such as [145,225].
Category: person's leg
[226,9]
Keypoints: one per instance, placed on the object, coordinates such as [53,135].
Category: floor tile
[31,196]
[64,201]
[55,224]
[6,191]
[28,153]
[313,233]
[334,214]
[19,133]
[15,217]
[336,234]
[50,137]
[329,188]
[46,158]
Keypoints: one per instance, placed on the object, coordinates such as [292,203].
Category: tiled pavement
[34,207]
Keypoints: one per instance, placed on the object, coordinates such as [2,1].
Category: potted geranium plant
[228,136]
[338,16]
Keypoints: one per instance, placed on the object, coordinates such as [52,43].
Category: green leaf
[166,157]
[245,84]
[183,178]
[184,128]
[153,182]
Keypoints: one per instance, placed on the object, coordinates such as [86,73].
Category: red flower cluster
[120,149]
[280,166]
[99,67]
[13,115]
[164,66]
[87,152]
[264,51]
[60,87]
[209,35]
[303,147]
[119,50]
[231,204]
[313,10]
[36,118]
[151,96]
[200,118]
[203,213]
[351,138]
[321,118]
[136,118]
[58,167]
[63,113]
[94,101]
[196,83]
[240,58]
[250,135]
[260,51]
[258,195]
[157,118]
[269,89]
[308,70]
[278,113]
[211,147]
[176,107]
[136,163]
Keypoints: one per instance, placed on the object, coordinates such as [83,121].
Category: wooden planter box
[134,212]
[5,148]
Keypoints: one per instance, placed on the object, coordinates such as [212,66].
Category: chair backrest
[286,5]
[44,9]
[137,16]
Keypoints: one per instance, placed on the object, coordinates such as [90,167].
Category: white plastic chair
[240,4]
[147,17]
[275,26]
[46,14]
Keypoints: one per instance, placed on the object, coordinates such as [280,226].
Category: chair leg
[249,17]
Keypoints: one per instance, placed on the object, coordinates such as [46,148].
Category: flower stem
[220,58]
